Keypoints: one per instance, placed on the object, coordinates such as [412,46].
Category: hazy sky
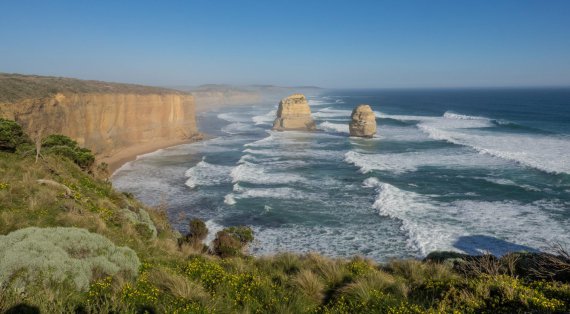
[325,43]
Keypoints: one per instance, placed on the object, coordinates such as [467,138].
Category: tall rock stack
[363,122]
[294,113]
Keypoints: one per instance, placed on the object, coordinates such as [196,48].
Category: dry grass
[16,87]
[310,285]
[178,285]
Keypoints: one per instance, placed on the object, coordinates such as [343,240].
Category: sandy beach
[125,155]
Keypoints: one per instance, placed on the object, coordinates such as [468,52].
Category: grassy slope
[16,87]
[181,279]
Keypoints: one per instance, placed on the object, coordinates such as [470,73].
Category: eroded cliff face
[108,122]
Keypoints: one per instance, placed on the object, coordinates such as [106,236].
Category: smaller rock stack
[363,122]
[294,113]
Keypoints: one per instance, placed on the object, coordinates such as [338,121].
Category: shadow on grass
[23,308]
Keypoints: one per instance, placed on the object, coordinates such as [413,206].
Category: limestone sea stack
[363,122]
[294,113]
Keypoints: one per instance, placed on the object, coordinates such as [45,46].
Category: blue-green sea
[477,170]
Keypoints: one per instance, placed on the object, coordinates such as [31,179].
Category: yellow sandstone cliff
[107,119]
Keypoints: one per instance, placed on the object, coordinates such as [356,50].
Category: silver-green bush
[61,255]
[141,218]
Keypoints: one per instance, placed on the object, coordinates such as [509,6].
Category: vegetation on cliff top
[78,245]
[16,87]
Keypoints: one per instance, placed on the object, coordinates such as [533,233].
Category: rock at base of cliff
[294,113]
[363,122]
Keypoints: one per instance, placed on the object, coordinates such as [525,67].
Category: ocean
[474,171]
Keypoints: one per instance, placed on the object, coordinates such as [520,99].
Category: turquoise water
[466,170]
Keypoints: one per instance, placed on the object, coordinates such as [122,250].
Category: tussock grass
[310,285]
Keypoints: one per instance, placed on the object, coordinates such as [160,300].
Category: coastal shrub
[231,241]
[142,221]
[198,229]
[197,232]
[11,135]
[64,146]
[61,256]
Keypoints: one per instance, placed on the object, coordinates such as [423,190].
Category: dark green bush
[243,233]
[231,241]
[196,234]
[11,135]
[55,140]
[64,146]
[198,229]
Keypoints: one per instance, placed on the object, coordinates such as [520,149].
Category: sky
[335,44]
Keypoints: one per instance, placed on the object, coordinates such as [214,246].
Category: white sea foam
[315,102]
[257,174]
[371,182]
[229,199]
[230,117]
[213,228]
[457,116]
[334,127]
[239,127]
[469,225]
[508,182]
[267,118]
[400,134]
[275,162]
[344,240]
[332,113]
[278,193]
[300,153]
[411,161]
[207,174]
[544,152]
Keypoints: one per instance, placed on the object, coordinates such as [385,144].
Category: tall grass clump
[61,256]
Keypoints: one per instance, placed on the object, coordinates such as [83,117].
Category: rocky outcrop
[294,113]
[108,122]
[363,122]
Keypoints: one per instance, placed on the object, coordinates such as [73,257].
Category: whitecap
[232,117]
[206,174]
[257,174]
[267,118]
[546,153]
[411,161]
[457,116]
[432,225]
[239,128]
[334,127]
[332,113]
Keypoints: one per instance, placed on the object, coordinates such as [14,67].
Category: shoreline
[130,153]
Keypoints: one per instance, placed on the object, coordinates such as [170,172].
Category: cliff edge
[107,118]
